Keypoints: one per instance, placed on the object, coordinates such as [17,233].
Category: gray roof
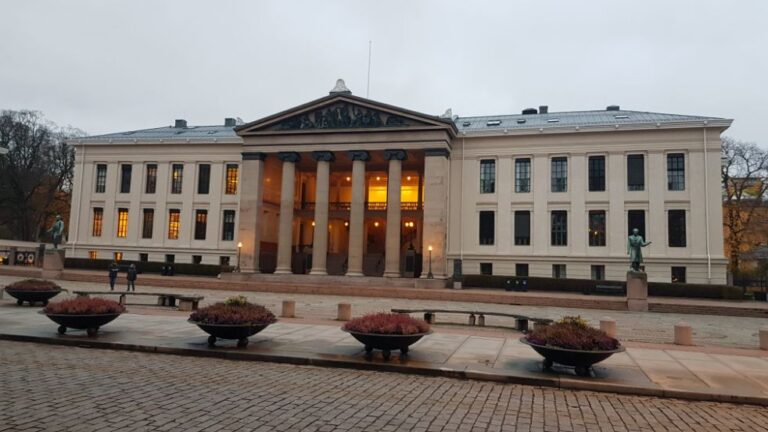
[169,132]
[571,119]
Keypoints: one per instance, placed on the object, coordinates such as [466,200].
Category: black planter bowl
[90,323]
[582,361]
[241,332]
[32,296]
[386,343]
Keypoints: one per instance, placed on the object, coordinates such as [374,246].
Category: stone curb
[426,370]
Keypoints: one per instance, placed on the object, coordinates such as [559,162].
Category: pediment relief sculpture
[342,116]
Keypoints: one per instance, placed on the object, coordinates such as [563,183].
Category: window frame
[676,174]
[684,274]
[201,224]
[597,238]
[559,271]
[679,239]
[147,229]
[203,179]
[122,223]
[558,237]
[520,240]
[225,224]
[558,165]
[630,186]
[126,172]
[177,183]
[150,179]
[521,187]
[231,182]
[485,240]
[596,183]
[488,185]
[174,226]
[97,223]
[101,178]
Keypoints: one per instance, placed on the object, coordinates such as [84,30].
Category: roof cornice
[624,127]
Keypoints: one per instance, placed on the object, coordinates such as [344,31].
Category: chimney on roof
[230,122]
[543,109]
[612,108]
[180,123]
[529,111]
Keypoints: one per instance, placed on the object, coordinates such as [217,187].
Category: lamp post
[429,274]
[239,248]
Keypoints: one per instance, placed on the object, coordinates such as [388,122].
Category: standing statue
[56,231]
[635,243]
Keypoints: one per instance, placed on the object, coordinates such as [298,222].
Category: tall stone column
[322,190]
[392,243]
[285,230]
[435,215]
[357,213]
[251,203]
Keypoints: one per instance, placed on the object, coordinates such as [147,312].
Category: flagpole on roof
[368,85]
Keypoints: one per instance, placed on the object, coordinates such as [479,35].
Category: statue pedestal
[53,263]
[637,291]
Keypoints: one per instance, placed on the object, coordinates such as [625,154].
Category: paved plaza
[65,388]
[725,331]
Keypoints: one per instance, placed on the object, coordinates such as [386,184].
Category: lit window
[678,274]
[597,227]
[201,223]
[118,256]
[93,255]
[122,222]
[231,186]
[177,174]
[98,221]
[174,216]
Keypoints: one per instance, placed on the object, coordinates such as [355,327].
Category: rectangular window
[636,219]
[521,270]
[598,272]
[596,173]
[676,171]
[635,172]
[177,177]
[122,222]
[151,179]
[224,261]
[558,271]
[522,175]
[125,178]
[486,269]
[487,229]
[201,224]
[174,216]
[101,178]
[197,259]
[203,179]
[678,274]
[522,228]
[487,176]
[170,258]
[676,228]
[118,256]
[144,257]
[148,223]
[559,174]
[98,221]
[93,255]
[559,228]
[228,226]
[597,227]
[231,185]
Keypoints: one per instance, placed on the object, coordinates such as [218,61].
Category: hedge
[656,289]
[148,266]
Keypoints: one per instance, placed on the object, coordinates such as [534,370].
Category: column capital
[325,156]
[361,155]
[254,156]
[289,156]
[400,155]
[437,152]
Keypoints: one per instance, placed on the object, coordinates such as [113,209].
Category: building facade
[409,196]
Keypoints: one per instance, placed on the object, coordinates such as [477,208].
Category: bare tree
[35,174]
[745,184]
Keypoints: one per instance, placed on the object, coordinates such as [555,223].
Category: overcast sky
[109,66]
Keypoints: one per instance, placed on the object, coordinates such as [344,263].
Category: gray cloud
[107,66]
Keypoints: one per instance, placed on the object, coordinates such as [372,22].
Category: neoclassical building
[357,189]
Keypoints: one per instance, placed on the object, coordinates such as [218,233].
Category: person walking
[113,269]
[131,278]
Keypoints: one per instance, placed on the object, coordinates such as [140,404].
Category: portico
[345,186]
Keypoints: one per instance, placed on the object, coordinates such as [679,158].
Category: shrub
[84,306]
[573,333]
[222,313]
[33,285]
[236,301]
[387,323]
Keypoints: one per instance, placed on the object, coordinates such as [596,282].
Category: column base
[354,274]
[392,274]
[283,271]
[318,273]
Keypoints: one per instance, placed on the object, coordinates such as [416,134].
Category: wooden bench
[186,302]
[478,318]
[609,290]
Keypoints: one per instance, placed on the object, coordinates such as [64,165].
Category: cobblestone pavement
[62,388]
[740,332]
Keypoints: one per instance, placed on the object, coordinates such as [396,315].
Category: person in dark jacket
[113,269]
[131,278]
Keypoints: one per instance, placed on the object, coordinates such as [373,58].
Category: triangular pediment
[343,113]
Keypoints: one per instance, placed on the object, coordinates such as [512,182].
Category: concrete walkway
[499,356]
